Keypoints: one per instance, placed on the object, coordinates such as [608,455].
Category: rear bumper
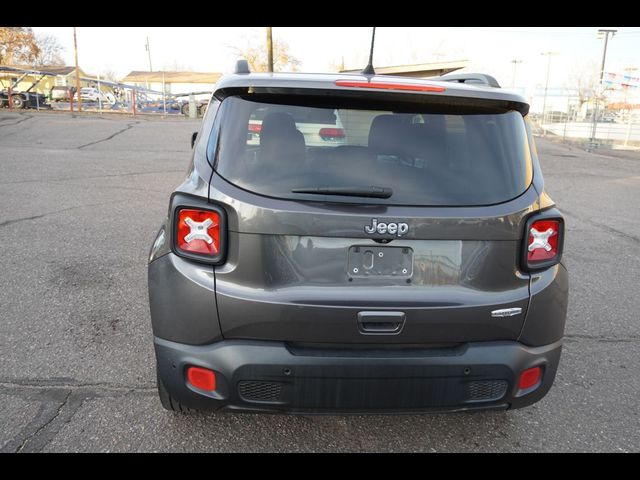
[276,377]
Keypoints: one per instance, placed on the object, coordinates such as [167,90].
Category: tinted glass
[425,158]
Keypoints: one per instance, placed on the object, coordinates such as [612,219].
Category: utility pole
[269,50]
[603,32]
[546,88]
[515,66]
[75,49]
[148,49]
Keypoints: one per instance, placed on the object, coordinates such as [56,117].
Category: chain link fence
[617,125]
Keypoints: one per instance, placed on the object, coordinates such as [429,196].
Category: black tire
[17,102]
[3,102]
[167,401]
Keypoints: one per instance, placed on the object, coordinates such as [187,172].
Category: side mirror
[194,135]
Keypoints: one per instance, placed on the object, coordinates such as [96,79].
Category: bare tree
[584,78]
[50,50]
[256,56]
[17,45]
[176,66]
[109,74]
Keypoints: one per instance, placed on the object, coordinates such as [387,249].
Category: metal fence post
[99,95]
[164,95]
[628,136]
[193,110]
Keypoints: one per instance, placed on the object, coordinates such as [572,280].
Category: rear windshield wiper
[370,191]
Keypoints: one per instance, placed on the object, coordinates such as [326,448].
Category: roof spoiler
[470,78]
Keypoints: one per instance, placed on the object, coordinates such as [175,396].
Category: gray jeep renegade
[359,243]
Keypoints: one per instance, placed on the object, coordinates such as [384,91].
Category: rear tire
[167,401]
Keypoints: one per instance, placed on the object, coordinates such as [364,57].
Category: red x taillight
[199,234]
[543,240]
[543,246]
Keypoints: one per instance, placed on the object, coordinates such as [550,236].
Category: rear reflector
[529,378]
[389,86]
[198,232]
[327,133]
[201,378]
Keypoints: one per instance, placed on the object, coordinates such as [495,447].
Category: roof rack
[471,78]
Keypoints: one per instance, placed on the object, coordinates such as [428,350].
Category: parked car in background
[20,100]
[91,94]
[61,94]
[320,127]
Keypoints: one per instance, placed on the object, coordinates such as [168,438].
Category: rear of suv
[409,263]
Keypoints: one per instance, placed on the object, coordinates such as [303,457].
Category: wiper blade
[370,191]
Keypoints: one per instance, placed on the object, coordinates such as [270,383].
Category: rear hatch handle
[380,323]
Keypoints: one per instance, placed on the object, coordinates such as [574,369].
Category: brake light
[543,244]
[529,378]
[255,127]
[198,232]
[330,133]
[202,378]
[543,241]
[389,86]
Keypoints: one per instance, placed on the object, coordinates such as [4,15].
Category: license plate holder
[384,261]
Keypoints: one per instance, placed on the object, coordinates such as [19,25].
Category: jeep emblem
[382,228]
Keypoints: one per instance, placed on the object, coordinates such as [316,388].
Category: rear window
[420,157]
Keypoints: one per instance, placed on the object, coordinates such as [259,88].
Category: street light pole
[601,32]
[515,66]
[546,88]
[75,49]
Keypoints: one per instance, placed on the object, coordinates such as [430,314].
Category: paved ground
[81,201]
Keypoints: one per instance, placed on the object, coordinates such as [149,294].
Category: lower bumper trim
[267,376]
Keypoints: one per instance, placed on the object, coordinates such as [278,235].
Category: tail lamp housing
[199,233]
[543,241]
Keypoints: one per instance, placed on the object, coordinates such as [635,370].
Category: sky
[321,49]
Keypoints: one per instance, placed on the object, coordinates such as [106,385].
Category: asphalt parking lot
[82,198]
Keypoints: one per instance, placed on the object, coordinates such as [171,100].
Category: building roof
[53,69]
[422,70]
[172,77]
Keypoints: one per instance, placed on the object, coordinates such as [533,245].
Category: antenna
[368,70]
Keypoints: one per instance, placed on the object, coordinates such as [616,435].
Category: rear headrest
[276,123]
[384,134]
